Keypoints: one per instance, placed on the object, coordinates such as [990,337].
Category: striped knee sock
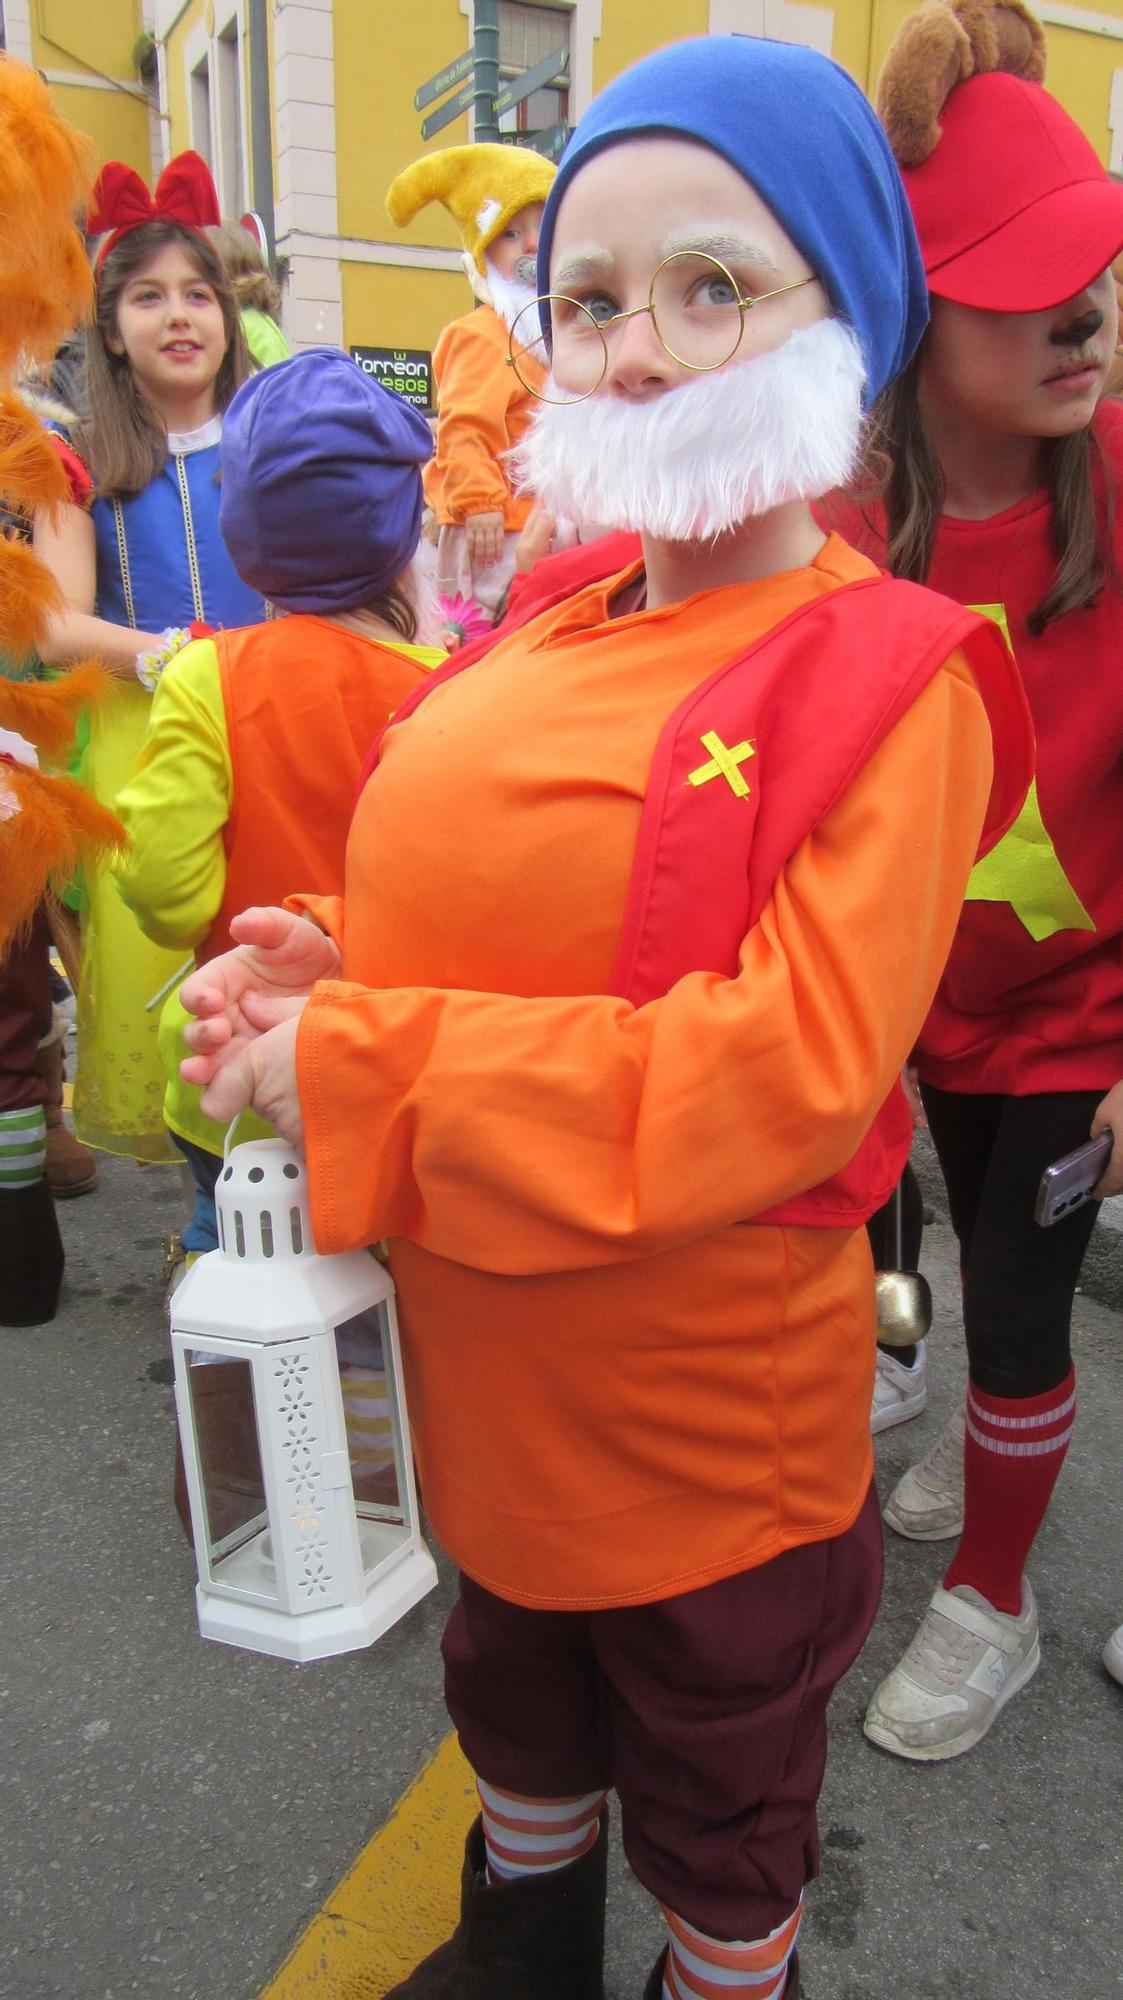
[536,1836]
[704,1968]
[23,1147]
[1013,1452]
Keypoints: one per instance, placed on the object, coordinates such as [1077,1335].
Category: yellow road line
[398,1902]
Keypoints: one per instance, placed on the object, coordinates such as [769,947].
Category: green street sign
[455,107]
[444,80]
[551,143]
[548,71]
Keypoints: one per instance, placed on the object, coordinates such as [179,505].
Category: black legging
[882,1227]
[1018,1279]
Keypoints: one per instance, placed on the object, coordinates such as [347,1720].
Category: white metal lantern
[293,1421]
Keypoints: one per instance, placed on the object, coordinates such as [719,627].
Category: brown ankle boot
[654,1988]
[541,1938]
[71,1168]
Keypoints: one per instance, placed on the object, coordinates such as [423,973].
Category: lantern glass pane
[370,1413]
[222,1411]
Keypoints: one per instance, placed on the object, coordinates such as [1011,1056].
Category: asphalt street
[174,1813]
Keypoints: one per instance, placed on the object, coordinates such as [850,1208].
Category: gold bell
[904,1308]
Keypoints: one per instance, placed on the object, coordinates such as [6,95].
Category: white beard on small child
[697,461]
[509,296]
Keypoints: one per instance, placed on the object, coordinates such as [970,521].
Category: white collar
[182,443]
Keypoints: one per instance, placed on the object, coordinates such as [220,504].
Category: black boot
[540,1938]
[654,1988]
[31,1258]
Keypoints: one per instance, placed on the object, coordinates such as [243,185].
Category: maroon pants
[706,1713]
[25,1016]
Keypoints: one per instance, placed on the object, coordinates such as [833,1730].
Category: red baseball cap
[1014,210]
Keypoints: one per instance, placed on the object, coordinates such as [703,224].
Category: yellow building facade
[89,51]
[305,111]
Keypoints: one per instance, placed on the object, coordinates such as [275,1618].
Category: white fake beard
[509,297]
[698,461]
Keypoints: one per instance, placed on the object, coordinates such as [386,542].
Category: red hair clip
[185,193]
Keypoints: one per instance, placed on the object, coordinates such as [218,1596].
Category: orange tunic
[484,411]
[620,1389]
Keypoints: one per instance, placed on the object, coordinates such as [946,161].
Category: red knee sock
[1014,1450]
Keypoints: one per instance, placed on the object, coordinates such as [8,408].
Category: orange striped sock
[536,1836]
[706,1968]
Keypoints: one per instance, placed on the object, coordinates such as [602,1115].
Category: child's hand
[1109,1115]
[910,1084]
[261,1076]
[242,994]
[484,536]
[535,540]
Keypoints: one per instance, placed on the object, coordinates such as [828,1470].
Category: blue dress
[160,561]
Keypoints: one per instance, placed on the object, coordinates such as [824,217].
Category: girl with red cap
[138,558]
[1004,465]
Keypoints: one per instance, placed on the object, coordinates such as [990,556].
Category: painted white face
[658,447]
[629,208]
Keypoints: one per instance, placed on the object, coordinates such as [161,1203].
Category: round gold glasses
[697,311]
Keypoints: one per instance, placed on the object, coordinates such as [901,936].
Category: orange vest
[304,700]
[694,894]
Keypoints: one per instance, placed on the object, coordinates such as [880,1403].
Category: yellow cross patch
[723,764]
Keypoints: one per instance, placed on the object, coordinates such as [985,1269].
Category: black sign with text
[407,371]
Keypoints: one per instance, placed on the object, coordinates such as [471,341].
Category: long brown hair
[395,608]
[904,477]
[122,438]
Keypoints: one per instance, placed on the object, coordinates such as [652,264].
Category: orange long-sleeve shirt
[619,1389]
[483,411]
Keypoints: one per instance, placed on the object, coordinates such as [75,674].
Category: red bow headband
[184,193]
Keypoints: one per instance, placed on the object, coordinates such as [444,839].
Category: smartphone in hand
[1066,1185]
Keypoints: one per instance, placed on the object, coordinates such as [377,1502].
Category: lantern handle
[229,1139]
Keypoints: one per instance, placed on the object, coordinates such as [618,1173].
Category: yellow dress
[161,563]
[119,1090]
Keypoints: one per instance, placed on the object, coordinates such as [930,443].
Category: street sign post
[477,73]
[548,71]
[454,107]
[444,80]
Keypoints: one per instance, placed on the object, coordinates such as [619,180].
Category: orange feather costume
[48,824]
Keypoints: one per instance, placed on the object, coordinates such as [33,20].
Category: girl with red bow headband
[139,559]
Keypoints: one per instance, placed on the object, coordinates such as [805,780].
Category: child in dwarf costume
[495,196]
[613,1062]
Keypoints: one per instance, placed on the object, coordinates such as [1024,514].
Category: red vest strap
[797,715]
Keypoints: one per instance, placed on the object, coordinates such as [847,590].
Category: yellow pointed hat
[482,187]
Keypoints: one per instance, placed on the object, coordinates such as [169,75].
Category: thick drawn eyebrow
[719,242]
[581,266]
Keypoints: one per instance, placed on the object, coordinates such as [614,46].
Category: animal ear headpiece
[184,193]
[1014,210]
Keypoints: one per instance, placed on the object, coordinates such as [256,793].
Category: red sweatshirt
[1032,997]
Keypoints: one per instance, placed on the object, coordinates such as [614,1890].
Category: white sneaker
[962,1668]
[1113,1654]
[899,1392]
[926,1504]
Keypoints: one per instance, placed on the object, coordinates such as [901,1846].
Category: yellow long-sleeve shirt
[176,807]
